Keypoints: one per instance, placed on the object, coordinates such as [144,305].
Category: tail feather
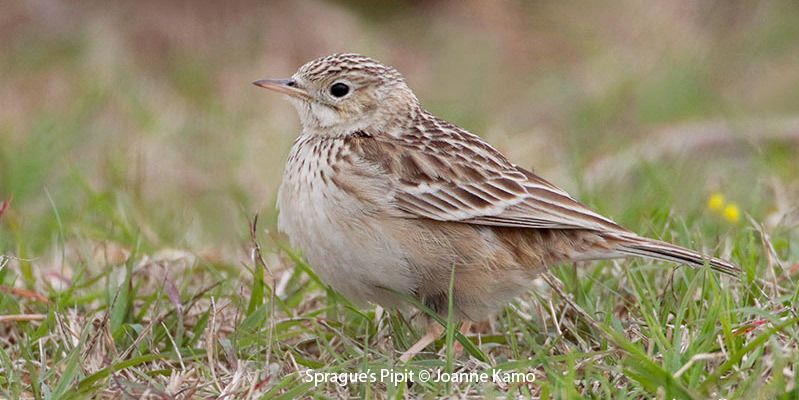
[666,251]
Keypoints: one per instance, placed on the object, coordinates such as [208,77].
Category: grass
[133,159]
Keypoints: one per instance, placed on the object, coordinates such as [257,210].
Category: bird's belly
[345,244]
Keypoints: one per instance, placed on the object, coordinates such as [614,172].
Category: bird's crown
[344,93]
[347,64]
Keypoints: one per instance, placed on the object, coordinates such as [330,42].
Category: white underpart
[345,245]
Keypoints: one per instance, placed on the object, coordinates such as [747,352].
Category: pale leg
[434,330]
[465,327]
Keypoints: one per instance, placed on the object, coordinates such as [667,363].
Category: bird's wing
[444,173]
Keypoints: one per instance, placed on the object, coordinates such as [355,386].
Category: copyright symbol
[424,375]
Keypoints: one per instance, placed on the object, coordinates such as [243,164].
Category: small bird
[384,197]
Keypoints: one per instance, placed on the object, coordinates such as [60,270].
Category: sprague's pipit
[384,197]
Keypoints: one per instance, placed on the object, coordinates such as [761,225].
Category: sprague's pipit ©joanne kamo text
[384,197]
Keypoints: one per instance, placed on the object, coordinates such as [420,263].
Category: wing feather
[444,173]
[440,172]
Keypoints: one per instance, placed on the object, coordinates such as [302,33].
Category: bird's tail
[643,247]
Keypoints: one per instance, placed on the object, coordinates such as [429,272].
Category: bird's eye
[339,89]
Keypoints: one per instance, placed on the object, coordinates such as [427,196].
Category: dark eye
[339,89]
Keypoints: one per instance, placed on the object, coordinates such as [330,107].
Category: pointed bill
[285,86]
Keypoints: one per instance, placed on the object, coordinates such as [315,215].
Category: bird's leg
[434,330]
[457,346]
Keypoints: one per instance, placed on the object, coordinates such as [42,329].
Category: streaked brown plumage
[380,194]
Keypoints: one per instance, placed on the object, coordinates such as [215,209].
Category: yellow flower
[731,213]
[716,202]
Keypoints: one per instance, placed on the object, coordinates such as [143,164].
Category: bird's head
[345,93]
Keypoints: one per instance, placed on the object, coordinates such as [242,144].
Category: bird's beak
[285,86]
